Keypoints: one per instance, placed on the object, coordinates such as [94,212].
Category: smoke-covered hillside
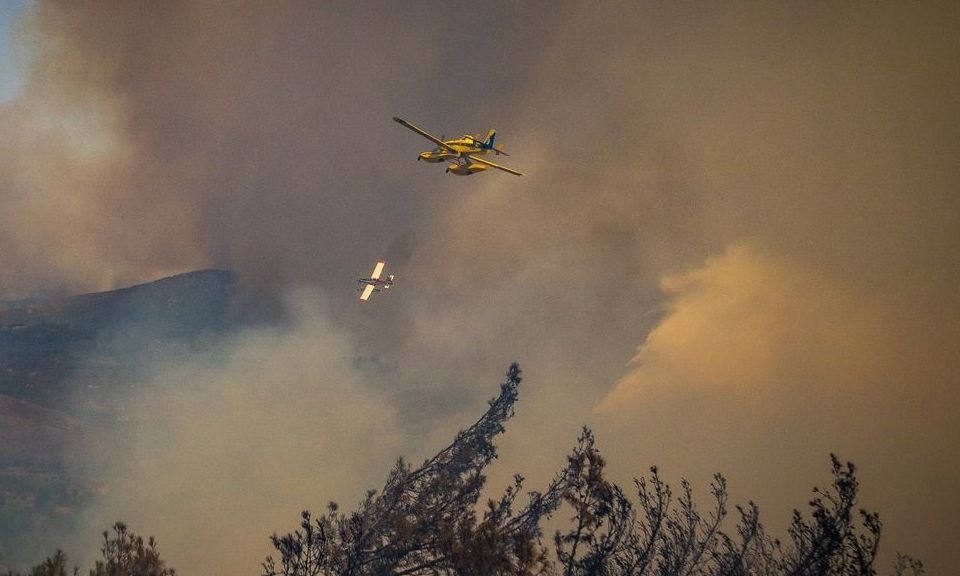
[47,347]
[66,368]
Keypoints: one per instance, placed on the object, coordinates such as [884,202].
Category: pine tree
[126,554]
[426,520]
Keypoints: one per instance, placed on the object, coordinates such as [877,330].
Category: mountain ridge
[45,346]
[66,368]
[84,307]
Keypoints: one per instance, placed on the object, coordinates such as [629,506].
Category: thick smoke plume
[763,198]
[224,449]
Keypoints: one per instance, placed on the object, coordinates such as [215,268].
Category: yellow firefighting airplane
[464,152]
[374,283]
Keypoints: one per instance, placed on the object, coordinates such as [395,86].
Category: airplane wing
[376,271]
[424,133]
[367,292]
[493,165]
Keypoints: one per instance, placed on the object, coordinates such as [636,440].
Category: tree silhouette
[426,521]
[55,565]
[126,554]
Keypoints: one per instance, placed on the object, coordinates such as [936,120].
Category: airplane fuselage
[465,145]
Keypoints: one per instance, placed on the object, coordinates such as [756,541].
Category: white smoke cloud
[225,451]
[762,365]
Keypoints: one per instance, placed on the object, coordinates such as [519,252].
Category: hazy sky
[735,248]
[10,79]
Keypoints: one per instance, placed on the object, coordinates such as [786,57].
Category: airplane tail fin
[488,141]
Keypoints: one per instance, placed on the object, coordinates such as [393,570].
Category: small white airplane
[463,152]
[374,283]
